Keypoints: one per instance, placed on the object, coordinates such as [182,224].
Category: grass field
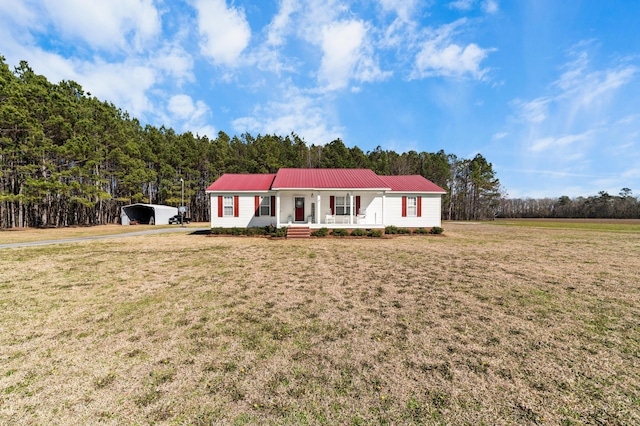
[25,235]
[486,324]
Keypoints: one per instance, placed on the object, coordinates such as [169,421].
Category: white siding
[372,204]
[246,214]
[430,211]
[286,207]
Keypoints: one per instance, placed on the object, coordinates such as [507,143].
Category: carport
[147,214]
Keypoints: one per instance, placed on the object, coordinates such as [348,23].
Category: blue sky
[547,90]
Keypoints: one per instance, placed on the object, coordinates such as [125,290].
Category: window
[412,206]
[265,206]
[228,205]
[343,207]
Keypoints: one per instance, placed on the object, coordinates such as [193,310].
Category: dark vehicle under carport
[147,214]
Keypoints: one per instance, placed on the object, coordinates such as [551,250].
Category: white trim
[329,189]
[278,209]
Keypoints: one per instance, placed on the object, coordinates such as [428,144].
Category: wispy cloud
[559,142]
[441,56]
[306,114]
[580,127]
[534,111]
[499,135]
[188,115]
[487,6]
[346,55]
[462,4]
[404,9]
[583,86]
[490,6]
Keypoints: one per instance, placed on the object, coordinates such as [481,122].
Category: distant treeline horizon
[603,206]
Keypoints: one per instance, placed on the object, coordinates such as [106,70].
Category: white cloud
[559,142]
[106,24]
[182,107]
[294,112]
[583,129]
[188,115]
[534,111]
[125,84]
[318,14]
[462,4]
[22,13]
[633,173]
[490,6]
[574,110]
[500,135]
[268,56]
[346,55]
[440,56]
[450,60]
[175,62]
[224,31]
[405,9]
[281,22]
[585,86]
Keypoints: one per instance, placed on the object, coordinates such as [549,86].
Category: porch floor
[333,225]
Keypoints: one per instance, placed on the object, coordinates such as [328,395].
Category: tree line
[621,206]
[67,158]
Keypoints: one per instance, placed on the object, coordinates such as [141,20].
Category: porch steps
[298,232]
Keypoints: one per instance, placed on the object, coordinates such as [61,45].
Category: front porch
[330,209]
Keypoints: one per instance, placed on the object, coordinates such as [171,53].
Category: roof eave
[420,192]
[300,188]
[235,191]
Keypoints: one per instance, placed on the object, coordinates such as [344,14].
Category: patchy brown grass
[25,235]
[488,324]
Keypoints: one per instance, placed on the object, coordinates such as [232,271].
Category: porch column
[382,212]
[318,209]
[351,207]
[278,209]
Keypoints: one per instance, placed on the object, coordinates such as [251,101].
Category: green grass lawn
[585,224]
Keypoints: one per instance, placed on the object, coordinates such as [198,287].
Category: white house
[332,198]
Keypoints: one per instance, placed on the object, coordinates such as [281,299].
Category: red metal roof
[323,179]
[327,179]
[242,182]
[412,183]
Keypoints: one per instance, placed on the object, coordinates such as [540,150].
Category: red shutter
[357,204]
[404,206]
[419,208]
[236,206]
[332,204]
[256,203]
[220,205]
[273,205]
